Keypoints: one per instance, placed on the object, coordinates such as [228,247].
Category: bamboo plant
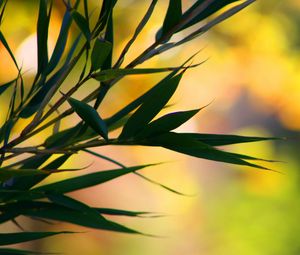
[91,51]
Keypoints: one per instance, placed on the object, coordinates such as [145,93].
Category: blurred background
[252,81]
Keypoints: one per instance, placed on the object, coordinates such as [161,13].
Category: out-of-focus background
[252,80]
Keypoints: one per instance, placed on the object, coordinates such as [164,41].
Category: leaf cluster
[92,50]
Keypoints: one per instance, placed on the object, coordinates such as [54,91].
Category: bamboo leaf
[109,74]
[167,123]
[90,116]
[88,180]
[220,139]
[151,107]
[211,9]
[61,42]
[100,52]
[117,212]
[137,31]
[42,35]
[13,238]
[172,17]
[82,24]
[6,173]
[117,117]
[87,218]
[10,251]
[187,145]
[6,85]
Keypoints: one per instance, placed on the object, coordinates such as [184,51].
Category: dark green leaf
[13,238]
[188,145]
[167,123]
[220,140]
[118,212]
[211,9]
[64,137]
[10,251]
[61,42]
[138,30]
[173,16]
[36,100]
[5,86]
[2,9]
[90,116]
[105,18]
[42,35]
[151,107]
[5,130]
[117,117]
[82,23]
[100,52]
[108,74]
[88,180]
[6,173]
[109,36]
[87,218]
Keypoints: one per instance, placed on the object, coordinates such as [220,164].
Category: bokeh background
[252,81]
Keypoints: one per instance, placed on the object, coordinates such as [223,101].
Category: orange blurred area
[252,82]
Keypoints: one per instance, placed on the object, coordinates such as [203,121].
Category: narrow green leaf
[10,251]
[90,116]
[2,9]
[109,36]
[211,9]
[42,35]
[105,19]
[5,86]
[108,74]
[188,145]
[151,107]
[6,173]
[100,52]
[63,137]
[120,115]
[5,130]
[88,180]
[167,123]
[137,31]
[117,212]
[13,238]
[173,16]
[58,212]
[82,24]
[61,42]
[220,139]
